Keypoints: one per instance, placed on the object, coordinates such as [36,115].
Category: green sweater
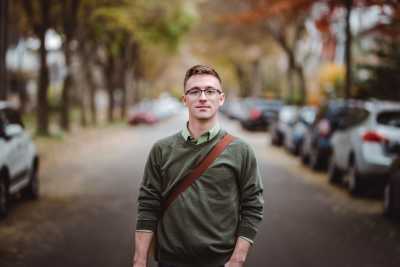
[201,226]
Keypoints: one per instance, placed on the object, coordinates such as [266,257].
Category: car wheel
[353,180]
[315,161]
[303,156]
[297,149]
[32,191]
[274,140]
[391,200]
[4,198]
[334,174]
[387,201]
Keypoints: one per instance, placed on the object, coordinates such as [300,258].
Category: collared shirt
[203,138]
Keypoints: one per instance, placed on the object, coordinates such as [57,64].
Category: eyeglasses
[208,92]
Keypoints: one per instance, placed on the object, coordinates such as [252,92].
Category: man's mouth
[202,107]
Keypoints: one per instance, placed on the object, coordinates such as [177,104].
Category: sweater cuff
[146,225]
[248,240]
[247,232]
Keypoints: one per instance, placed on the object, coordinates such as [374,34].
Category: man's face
[205,105]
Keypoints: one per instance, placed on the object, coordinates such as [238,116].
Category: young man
[214,221]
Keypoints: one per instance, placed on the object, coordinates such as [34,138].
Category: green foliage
[146,22]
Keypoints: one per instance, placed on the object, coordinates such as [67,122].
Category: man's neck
[199,127]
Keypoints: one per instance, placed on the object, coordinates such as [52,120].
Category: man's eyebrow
[195,87]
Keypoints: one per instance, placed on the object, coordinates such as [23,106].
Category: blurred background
[87,86]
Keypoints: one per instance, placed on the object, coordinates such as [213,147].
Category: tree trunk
[109,76]
[302,84]
[257,82]
[42,102]
[65,94]
[70,10]
[124,103]
[82,108]
[111,104]
[92,99]
[86,54]
[243,80]
[23,96]
[348,57]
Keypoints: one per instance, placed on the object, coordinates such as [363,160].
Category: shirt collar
[203,138]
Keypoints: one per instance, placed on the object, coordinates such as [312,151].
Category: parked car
[391,199]
[259,113]
[361,146]
[234,109]
[295,135]
[153,111]
[142,113]
[282,125]
[19,161]
[316,146]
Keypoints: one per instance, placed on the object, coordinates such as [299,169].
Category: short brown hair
[199,70]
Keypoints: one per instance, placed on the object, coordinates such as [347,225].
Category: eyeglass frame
[203,91]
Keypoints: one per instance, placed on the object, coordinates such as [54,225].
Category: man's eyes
[211,90]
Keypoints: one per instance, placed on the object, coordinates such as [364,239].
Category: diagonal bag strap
[199,170]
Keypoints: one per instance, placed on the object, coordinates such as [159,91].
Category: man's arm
[251,201]
[239,254]
[149,208]
[142,246]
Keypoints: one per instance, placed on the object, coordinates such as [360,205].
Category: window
[356,116]
[11,116]
[389,118]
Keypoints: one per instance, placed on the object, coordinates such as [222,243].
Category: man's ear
[183,99]
[221,99]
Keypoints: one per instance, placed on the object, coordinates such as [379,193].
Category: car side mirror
[13,130]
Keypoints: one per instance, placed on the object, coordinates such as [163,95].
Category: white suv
[19,161]
[363,144]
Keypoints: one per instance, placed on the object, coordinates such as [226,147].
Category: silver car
[361,152]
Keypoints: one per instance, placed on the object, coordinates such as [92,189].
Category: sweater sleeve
[251,196]
[149,200]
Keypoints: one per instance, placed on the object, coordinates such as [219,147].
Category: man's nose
[203,96]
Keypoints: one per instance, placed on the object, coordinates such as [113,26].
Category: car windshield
[389,118]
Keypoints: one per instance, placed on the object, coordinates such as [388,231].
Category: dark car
[316,148]
[259,113]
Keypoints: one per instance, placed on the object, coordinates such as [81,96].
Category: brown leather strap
[199,170]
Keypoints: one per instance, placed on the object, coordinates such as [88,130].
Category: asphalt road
[87,213]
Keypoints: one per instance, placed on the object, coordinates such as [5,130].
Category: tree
[128,28]
[273,12]
[40,19]
[284,21]
[380,78]
[69,17]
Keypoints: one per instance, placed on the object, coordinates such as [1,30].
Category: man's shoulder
[239,143]
[168,141]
